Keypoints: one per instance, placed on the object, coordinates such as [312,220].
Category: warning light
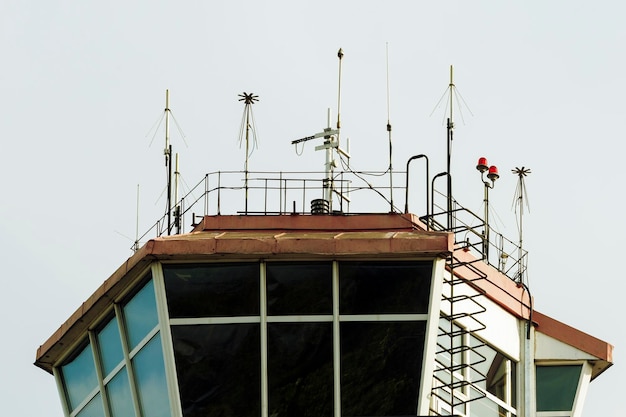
[493,173]
[482,165]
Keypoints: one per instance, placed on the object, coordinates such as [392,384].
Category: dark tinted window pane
[212,290]
[295,288]
[384,287]
[381,368]
[300,369]
[556,387]
[219,369]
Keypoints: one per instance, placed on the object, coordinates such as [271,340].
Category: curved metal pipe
[406,200]
[432,199]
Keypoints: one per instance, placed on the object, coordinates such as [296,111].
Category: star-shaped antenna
[248,98]
[521,172]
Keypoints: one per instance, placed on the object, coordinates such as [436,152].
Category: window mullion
[263,331]
[508,386]
[96,358]
[129,368]
[62,393]
[166,340]
[336,345]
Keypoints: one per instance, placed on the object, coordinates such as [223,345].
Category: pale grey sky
[83,82]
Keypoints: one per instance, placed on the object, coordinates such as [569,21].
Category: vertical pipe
[449,138]
[389,134]
[406,202]
[328,168]
[247,153]
[486,236]
[168,162]
[449,193]
[177,219]
[206,194]
[169,194]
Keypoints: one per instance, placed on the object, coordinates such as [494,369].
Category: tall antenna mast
[249,100]
[520,192]
[389,131]
[176,202]
[450,134]
[168,163]
[340,56]
[331,141]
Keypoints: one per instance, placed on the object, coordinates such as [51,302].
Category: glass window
[118,393]
[93,408]
[140,315]
[300,369]
[110,346]
[298,288]
[150,379]
[501,379]
[483,407]
[381,365]
[212,290]
[79,377]
[219,369]
[384,287]
[556,387]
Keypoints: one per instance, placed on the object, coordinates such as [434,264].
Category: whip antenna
[518,202]
[248,120]
[340,56]
[389,130]
[450,135]
[168,161]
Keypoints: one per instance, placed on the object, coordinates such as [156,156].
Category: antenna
[136,244]
[450,134]
[331,141]
[248,119]
[340,56]
[450,92]
[168,163]
[177,208]
[389,131]
[518,201]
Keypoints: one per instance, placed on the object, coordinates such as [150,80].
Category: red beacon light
[493,173]
[482,165]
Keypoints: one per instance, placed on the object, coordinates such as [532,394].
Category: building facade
[294,314]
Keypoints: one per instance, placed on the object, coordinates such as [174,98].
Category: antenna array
[247,121]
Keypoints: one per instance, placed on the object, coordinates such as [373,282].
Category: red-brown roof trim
[388,235]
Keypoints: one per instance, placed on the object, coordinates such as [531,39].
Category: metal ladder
[458,350]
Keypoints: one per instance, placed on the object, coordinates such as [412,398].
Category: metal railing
[289,192]
[274,193]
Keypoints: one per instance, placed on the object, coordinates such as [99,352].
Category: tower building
[301,305]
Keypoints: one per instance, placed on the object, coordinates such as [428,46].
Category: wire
[155,129]
[357,174]
[180,131]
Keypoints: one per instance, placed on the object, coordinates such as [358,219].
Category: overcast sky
[82,84]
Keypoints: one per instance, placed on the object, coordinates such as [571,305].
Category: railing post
[219,192]
[206,195]
[406,202]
